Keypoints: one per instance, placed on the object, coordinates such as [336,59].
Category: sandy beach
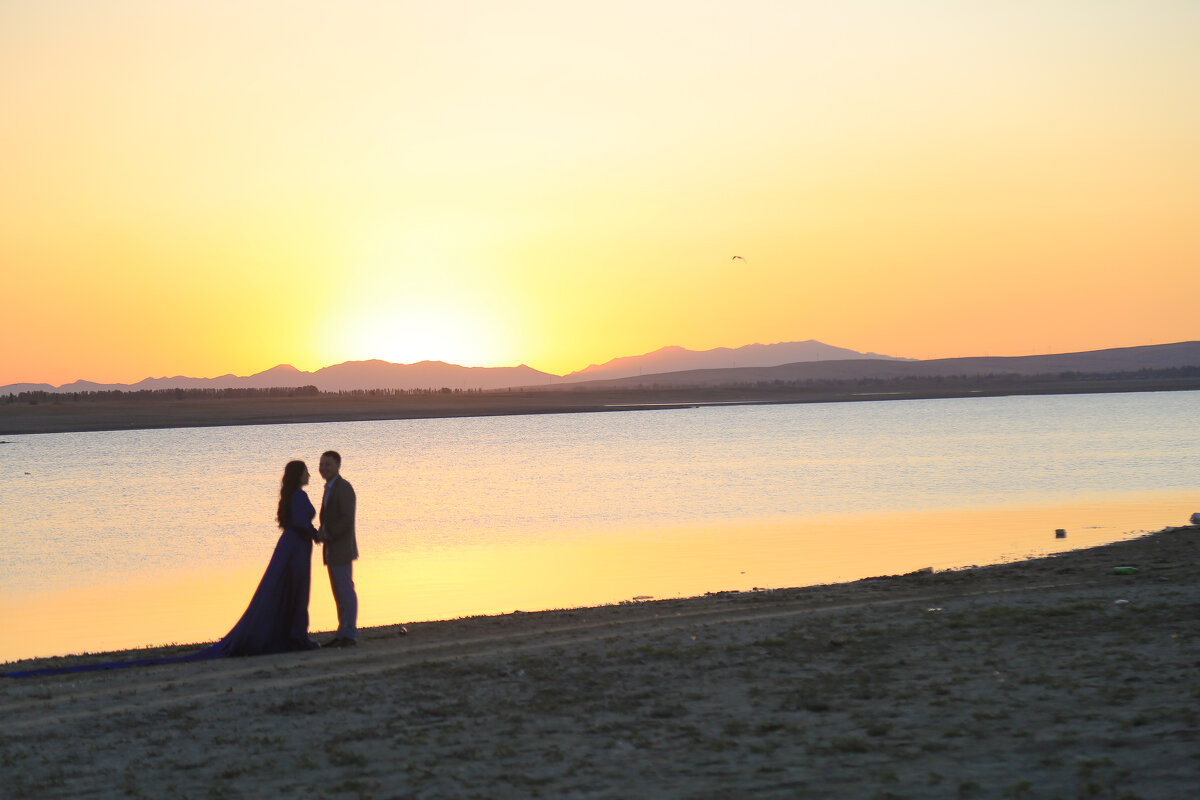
[1048,678]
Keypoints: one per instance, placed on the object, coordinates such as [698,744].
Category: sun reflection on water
[585,568]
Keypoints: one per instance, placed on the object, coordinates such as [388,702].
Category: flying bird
[737,258]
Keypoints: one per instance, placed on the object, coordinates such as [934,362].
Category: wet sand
[1046,678]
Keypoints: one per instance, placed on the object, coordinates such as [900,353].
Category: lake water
[126,538]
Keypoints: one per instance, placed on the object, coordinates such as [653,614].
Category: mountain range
[1115,360]
[669,366]
[375,374]
[678,359]
[348,376]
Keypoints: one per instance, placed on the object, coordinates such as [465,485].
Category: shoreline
[1048,677]
[65,415]
[181,606]
[1088,556]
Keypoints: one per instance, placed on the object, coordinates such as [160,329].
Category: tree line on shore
[923,383]
[156,395]
[918,383]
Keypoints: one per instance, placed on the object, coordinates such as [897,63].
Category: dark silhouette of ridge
[375,374]
[678,359]
[1115,360]
[349,376]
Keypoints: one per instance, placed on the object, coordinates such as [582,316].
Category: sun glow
[411,333]
[416,288]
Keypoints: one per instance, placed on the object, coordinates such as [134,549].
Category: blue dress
[276,621]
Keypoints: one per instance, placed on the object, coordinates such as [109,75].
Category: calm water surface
[138,537]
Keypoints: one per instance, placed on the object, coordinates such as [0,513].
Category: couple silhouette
[276,621]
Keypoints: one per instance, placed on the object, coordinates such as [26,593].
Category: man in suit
[337,534]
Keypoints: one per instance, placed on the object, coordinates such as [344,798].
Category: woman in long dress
[276,620]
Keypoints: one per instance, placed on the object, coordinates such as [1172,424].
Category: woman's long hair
[291,482]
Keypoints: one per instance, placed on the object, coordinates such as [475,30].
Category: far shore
[124,412]
[1054,677]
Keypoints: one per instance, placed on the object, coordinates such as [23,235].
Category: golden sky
[208,187]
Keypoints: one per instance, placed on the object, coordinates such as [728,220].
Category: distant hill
[349,376]
[423,375]
[812,361]
[678,359]
[1122,359]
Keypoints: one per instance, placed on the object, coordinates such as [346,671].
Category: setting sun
[409,333]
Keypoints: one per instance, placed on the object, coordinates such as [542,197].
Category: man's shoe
[349,643]
[334,642]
